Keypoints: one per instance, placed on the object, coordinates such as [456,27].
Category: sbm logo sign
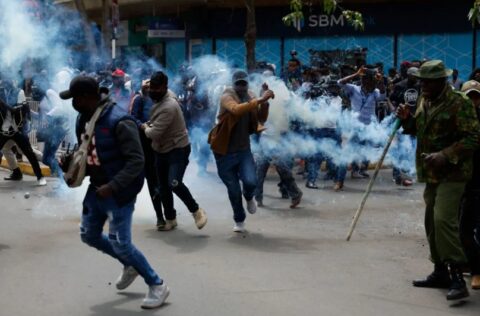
[320,20]
[323,20]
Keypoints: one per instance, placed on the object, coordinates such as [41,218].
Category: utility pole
[250,35]
[115,23]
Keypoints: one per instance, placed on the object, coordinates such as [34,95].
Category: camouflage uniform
[449,125]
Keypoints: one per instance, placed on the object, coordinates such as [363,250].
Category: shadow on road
[110,308]
[272,244]
[183,241]
[3,247]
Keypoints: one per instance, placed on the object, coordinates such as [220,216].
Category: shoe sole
[295,204]
[432,286]
[127,285]
[164,229]
[458,297]
[202,224]
[297,201]
[159,305]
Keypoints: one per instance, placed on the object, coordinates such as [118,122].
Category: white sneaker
[42,182]
[239,227]
[126,278]
[156,296]
[252,206]
[200,218]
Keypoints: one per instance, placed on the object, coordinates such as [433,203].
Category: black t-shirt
[405,93]
[240,136]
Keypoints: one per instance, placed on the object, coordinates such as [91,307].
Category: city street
[291,262]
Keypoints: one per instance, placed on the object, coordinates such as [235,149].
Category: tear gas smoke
[45,44]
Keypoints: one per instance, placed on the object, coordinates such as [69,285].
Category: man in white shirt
[14,112]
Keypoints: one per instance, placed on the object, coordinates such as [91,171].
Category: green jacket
[448,124]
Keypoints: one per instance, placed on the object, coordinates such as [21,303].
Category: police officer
[448,132]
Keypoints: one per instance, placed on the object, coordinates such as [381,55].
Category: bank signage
[319,21]
[165,28]
[379,19]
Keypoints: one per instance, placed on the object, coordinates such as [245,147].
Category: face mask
[156,96]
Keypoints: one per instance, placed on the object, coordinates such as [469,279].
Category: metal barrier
[35,123]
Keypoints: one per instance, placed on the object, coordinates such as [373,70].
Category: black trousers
[469,221]
[23,143]
[151,176]
[171,168]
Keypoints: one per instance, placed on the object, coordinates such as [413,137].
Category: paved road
[291,262]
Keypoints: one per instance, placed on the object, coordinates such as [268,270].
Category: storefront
[393,33]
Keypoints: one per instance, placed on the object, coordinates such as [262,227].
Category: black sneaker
[296,200]
[364,174]
[16,175]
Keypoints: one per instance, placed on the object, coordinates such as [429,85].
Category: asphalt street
[290,262]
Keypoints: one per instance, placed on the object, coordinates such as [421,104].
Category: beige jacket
[167,128]
[230,113]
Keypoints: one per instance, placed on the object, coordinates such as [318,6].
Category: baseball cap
[240,76]
[118,73]
[80,85]
[470,86]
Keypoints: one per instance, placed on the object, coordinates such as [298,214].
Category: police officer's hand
[402,112]
[435,160]
[105,191]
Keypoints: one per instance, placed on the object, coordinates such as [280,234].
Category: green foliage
[329,6]
[474,14]
[355,19]
[296,7]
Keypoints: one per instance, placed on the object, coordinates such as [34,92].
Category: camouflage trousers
[442,221]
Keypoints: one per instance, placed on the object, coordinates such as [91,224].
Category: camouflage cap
[433,69]
[470,86]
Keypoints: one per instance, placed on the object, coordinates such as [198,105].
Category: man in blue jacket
[115,165]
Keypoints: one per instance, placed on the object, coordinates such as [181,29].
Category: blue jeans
[233,168]
[284,170]
[118,243]
[360,165]
[200,147]
[51,146]
[313,163]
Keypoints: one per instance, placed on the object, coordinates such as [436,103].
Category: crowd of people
[139,126]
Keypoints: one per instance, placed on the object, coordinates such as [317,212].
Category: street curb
[26,168]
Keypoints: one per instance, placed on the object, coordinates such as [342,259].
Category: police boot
[16,175]
[458,288]
[438,279]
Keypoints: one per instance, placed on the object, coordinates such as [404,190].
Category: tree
[250,35]
[474,14]
[354,18]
